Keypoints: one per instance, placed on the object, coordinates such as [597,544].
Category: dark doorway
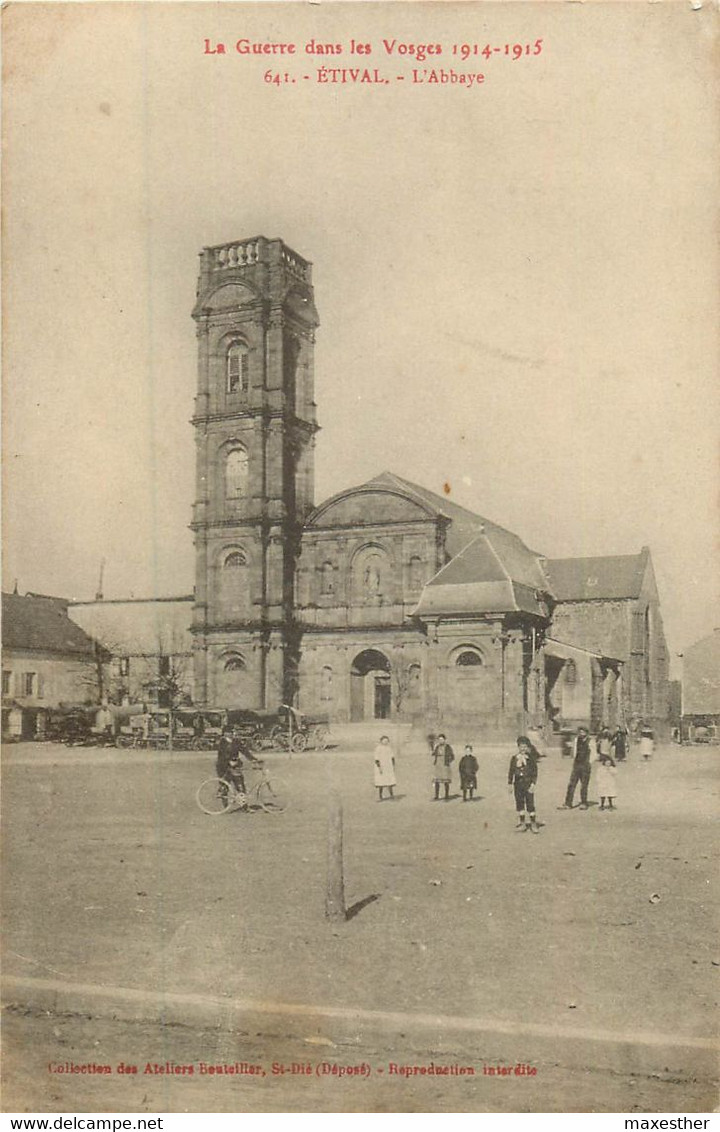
[370,689]
[382,697]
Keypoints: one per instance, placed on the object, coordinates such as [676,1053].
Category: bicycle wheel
[272,796]
[214,796]
[299,741]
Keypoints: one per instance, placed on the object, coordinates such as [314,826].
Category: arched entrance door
[370,690]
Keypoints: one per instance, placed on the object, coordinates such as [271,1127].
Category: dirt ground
[602,921]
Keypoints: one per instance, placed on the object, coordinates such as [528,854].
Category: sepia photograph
[361,557]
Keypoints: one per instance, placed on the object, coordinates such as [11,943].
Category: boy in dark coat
[522,779]
[468,767]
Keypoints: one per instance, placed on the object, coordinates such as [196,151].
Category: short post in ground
[335,891]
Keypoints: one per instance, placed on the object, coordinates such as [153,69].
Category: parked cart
[287,729]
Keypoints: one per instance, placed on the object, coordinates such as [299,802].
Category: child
[384,758]
[605,781]
[647,743]
[522,779]
[468,767]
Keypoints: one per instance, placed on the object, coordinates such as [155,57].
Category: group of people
[443,757]
[610,748]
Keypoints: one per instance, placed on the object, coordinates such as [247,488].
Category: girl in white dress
[606,781]
[384,767]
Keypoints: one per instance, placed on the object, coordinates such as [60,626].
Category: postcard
[360,649]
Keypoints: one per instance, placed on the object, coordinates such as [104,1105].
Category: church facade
[387,600]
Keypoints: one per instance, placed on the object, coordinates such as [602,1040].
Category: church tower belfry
[255,425]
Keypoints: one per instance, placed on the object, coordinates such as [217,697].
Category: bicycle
[217,796]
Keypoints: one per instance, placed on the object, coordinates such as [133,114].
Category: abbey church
[386,601]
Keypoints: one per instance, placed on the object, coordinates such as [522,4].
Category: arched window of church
[234,663]
[237,368]
[326,683]
[327,578]
[416,573]
[468,658]
[235,560]
[570,672]
[236,473]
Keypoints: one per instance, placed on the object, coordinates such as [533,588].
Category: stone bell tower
[255,426]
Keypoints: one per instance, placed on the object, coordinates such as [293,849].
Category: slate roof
[465,524]
[490,575]
[597,579]
[38,622]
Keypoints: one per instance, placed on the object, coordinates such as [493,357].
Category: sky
[517,281]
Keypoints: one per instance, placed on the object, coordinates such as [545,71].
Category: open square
[588,946]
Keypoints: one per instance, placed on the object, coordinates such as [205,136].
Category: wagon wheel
[321,737]
[299,741]
[256,741]
[279,737]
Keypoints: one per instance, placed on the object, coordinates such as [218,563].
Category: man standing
[580,771]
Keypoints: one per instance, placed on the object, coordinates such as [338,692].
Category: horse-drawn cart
[288,730]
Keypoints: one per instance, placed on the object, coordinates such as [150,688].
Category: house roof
[34,621]
[615,577]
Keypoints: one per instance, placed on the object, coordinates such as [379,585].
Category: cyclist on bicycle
[232,756]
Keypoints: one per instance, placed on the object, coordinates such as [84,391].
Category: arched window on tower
[236,473]
[234,594]
[468,658]
[234,664]
[235,560]
[237,369]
